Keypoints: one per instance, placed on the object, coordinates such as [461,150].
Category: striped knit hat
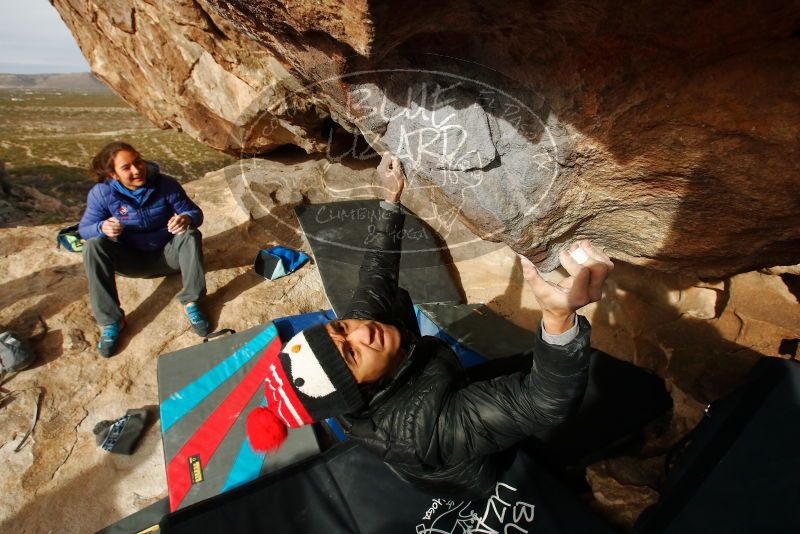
[307,381]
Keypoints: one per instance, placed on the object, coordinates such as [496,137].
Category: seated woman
[406,397]
[139,223]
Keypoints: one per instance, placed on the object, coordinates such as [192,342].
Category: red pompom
[265,430]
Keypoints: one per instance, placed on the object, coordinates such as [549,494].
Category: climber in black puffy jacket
[406,397]
[423,416]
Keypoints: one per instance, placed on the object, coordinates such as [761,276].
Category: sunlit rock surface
[666,134]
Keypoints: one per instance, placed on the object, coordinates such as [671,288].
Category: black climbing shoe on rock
[120,436]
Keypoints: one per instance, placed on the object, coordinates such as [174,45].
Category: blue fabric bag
[278,261]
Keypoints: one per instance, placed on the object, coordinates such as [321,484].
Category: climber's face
[370,349]
[129,169]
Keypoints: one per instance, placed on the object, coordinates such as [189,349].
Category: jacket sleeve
[96,212]
[486,417]
[380,268]
[182,204]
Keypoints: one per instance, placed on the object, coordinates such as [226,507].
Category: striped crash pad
[205,394]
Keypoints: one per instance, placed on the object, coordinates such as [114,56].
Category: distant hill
[78,81]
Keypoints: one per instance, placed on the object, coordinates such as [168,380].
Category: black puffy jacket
[428,422]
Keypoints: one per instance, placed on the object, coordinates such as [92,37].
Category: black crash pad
[336,233]
[347,489]
[143,521]
[740,472]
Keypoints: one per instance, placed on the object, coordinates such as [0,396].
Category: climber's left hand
[391,176]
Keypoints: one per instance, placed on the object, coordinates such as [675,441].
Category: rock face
[666,134]
[700,337]
[186,68]
[25,204]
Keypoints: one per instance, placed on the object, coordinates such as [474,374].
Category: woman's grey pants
[103,258]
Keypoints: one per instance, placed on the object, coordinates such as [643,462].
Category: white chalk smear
[579,255]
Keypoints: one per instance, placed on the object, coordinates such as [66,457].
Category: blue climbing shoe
[109,336]
[197,318]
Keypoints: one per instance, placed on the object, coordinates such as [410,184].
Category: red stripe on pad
[209,435]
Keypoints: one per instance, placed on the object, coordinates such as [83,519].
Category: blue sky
[34,39]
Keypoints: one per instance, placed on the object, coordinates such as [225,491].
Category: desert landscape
[52,127]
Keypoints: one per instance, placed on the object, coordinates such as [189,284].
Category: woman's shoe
[197,318]
[109,336]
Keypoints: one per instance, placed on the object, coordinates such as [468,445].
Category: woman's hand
[111,227]
[178,224]
[391,176]
[584,285]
